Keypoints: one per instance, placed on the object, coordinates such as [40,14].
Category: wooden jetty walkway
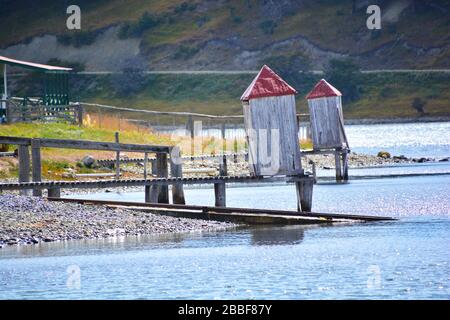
[239,215]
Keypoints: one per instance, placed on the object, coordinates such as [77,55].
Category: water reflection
[286,235]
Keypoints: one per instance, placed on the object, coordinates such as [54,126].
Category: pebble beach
[31,220]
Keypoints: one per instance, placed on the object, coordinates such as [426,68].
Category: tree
[132,77]
[419,105]
[294,68]
[345,75]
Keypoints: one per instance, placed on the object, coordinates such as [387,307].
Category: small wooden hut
[271,125]
[327,120]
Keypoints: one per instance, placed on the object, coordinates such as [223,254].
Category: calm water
[405,259]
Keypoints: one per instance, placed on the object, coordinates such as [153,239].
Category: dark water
[406,259]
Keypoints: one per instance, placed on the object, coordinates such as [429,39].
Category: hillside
[228,34]
[237,36]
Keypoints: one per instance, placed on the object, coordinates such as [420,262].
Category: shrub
[77,38]
[419,105]
[185,52]
[345,75]
[136,29]
[268,26]
[185,6]
[132,78]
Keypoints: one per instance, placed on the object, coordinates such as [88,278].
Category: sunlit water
[405,259]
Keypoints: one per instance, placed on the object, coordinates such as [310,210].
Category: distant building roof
[323,89]
[31,65]
[267,84]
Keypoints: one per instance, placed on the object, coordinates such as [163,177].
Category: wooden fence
[28,110]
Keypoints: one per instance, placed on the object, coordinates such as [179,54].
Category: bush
[345,75]
[185,52]
[77,38]
[419,105]
[132,78]
[185,6]
[137,29]
[268,26]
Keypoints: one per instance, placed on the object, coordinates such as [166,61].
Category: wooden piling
[36,164]
[54,192]
[116,135]
[80,114]
[345,165]
[176,171]
[304,190]
[151,192]
[337,161]
[24,166]
[220,188]
[162,172]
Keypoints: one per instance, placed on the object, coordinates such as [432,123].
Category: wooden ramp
[239,215]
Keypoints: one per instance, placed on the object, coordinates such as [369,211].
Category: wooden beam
[87,145]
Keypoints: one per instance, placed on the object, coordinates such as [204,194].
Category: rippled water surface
[405,259]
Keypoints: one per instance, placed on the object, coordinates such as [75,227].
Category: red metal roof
[323,89]
[267,84]
[31,65]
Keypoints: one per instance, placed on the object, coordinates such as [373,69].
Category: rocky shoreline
[32,220]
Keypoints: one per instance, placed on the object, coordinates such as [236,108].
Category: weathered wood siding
[272,131]
[325,128]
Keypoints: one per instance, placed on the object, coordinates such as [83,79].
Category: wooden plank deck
[242,215]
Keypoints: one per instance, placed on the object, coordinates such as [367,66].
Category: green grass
[67,131]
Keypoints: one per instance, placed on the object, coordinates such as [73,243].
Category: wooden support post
[192,134]
[224,139]
[337,161]
[117,158]
[145,165]
[152,191]
[220,188]
[314,172]
[24,166]
[161,164]
[80,115]
[176,171]
[36,164]
[304,190]
[54,192]
[345,165]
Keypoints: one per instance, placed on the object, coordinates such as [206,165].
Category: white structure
[271,125]
[327,120]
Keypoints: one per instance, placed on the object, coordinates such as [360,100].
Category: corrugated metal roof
[267,84]
[323,89]
[31,65]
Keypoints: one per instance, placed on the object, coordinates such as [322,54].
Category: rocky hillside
[228,34]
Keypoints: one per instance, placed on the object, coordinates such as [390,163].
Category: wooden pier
[239,215]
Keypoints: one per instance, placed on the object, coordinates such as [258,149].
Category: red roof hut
[271,125]
[327,120]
